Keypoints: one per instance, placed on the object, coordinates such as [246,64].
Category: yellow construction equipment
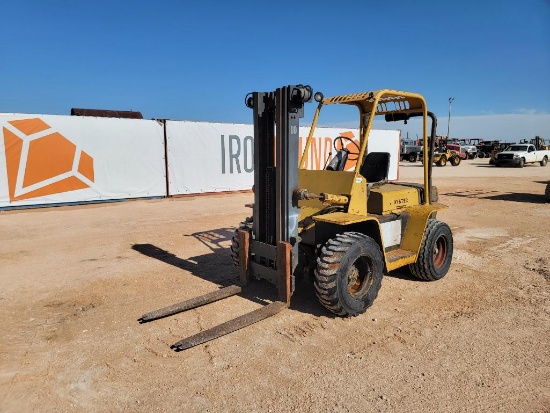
[344,229]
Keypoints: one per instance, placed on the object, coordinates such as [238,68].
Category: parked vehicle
[540,143]
[463,151]
[456,148]
[409,150]
[471,150]
[442,155]
[485,148]
[497,149]
[520,154]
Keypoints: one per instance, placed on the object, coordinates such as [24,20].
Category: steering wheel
[341,139]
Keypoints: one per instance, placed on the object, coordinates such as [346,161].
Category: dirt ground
[76,279]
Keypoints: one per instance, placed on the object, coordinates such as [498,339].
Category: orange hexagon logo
[41,162]
[350,163]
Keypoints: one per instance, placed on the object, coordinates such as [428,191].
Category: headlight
[516,155]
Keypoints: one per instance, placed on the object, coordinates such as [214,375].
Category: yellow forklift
[344,229]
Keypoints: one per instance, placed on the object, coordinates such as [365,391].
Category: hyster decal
[42,162]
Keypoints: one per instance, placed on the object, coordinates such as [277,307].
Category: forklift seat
[376,167]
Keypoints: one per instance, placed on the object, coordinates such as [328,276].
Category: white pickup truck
[520,154]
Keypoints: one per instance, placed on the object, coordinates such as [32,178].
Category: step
[398,254]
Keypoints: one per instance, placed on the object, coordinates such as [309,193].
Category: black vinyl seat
[376,167]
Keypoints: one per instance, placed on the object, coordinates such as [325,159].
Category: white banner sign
[209,157]
[47,159]
[213,157]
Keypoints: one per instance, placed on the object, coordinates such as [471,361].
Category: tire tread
[328,263]
[421,268]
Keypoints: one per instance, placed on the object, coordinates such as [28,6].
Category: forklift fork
[284,293]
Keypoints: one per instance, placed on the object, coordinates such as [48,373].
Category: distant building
[103,113]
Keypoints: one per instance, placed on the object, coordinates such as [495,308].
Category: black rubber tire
[412,157]
[455,160]
[436,252]
[521,163]
[481,155]
[442,161]
[245,225]
[544,161]
[349,273]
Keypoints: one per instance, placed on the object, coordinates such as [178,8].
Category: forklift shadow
[208,267]
[520,197]
[205,266]
[403,273]
[304,299]
[502,196]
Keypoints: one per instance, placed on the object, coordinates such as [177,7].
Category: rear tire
[544,161]
[436,252]
[442,161]
[349,273]
[246,225]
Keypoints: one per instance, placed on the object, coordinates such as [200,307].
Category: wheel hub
[440,252]
[360,277]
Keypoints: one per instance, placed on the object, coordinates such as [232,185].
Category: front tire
[436,252]
[544,161]
[412,157]
[442,161]
[349,273]
[521,163]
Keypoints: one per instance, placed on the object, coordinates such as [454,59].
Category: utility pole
[449,120]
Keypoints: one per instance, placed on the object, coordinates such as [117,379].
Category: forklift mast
[276,146]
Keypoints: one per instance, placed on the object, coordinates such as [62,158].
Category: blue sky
[197,60]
